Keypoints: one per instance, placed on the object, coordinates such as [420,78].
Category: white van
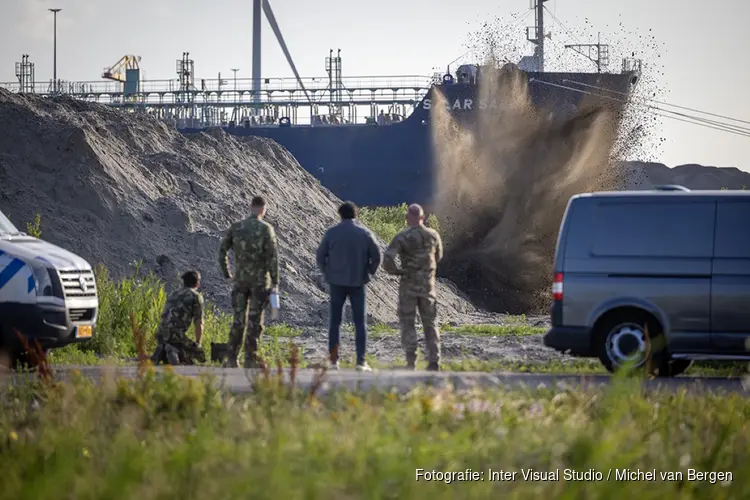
[47,294]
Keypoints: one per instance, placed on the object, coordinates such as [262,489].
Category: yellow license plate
[84,332]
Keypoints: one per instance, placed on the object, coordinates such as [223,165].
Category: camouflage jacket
[256,259]
[420,249]
[183,307]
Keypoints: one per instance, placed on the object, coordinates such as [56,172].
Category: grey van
[653,278]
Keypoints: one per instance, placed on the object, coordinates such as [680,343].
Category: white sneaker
[364,367]
[333,365]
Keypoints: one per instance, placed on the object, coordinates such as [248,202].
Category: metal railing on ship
[242,85]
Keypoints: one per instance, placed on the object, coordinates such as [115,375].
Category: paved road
[238,380]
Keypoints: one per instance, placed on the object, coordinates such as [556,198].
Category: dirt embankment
[119,188]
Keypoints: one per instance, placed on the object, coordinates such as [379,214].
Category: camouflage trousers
[426,303]
[249,303]
[178,350]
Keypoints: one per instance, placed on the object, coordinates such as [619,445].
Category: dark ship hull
[385,165]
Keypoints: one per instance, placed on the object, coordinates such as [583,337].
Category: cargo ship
[384,159]
[388,160]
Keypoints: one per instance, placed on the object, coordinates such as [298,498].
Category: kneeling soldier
[183,307]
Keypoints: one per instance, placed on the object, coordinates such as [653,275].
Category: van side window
[671,228]
[733,230]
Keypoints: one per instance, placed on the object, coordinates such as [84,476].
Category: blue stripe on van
[10,270]
[31,283]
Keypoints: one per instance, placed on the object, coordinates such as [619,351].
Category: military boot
[158,355]
[411,362]
[252,361]
[173,354]
[231,361]
[433,367]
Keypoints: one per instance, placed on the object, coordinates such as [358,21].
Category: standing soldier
[256,276]
[183,307]
[419,249]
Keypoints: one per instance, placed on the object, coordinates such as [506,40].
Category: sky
[691,49]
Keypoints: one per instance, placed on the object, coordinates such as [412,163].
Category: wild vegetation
[164,436]
[386,222]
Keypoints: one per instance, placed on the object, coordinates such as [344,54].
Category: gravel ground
[385,344]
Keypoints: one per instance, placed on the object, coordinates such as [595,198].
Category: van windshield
[6,226]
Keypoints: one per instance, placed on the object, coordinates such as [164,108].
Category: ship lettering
[461,104]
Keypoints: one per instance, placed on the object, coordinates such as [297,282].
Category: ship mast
[538,38]
[265,7]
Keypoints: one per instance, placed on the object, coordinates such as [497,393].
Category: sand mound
[119,188]
[697,177]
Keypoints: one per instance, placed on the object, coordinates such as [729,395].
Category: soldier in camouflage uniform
[420,249]
[183,307]
[256,275]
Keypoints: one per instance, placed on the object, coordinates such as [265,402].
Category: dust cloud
[504,181]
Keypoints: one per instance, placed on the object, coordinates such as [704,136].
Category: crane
[118,71]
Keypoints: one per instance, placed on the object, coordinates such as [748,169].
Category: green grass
[170,437]
[387,222]
[379,330]
[374,331]
[494,330]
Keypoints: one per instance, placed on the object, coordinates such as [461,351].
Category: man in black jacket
[348,256]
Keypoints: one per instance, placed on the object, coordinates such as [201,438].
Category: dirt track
[238,380]
[456,346]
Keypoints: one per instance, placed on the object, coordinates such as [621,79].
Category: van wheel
[624,344]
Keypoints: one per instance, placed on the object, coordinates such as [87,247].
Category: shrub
[386,222]
[35,228]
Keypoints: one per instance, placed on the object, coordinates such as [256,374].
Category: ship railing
[243,85]
[630,64]
[231,99]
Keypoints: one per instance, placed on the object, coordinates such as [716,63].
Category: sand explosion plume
[504,182]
